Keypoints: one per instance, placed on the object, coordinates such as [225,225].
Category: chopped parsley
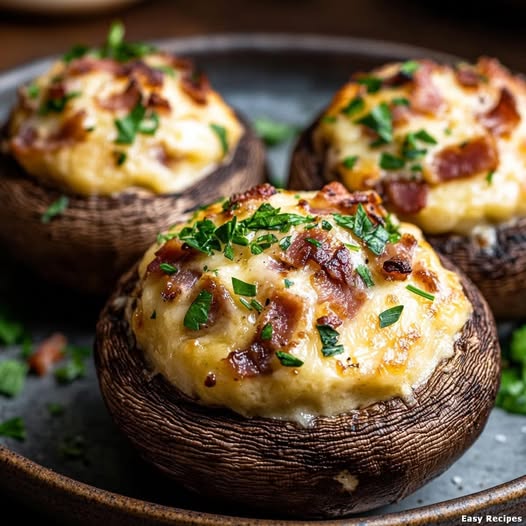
[400,101]
[57,105]
[373,84]
[390,316]
[420,292]
[326,225]
[55,409]
[272,132]
[354,106]
[252,304]
[75,367]
[74,448]
[391,162]
[11,331]
[77,51]
[512,392]
[329,340]
[409,68]
[313,242]
[365,274]
[221,133]
[266,332]
[153,315]
[374,236]
[197,313]
[423,136]
[12,377]
[285,243]
[33,91]
[167,268]
[288,360]
[489,177]
[288,283]
[167,70]
[261,243]
[380,121]
[242,288]
[137,121]
[350,161]
[13,428]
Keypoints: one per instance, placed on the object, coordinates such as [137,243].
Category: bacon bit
[492,69]
[157,102]
[396,262]
[122,101]
[427,277]
[173,252]
[467,77]
[195,85]
[335,198]
[458,161]
[400,114]
[331,320]
[49,352]
[504,116]
[222,302]
[142,72]
[210,380]
[407,197]
[179,283]
[27,141]
[250,362]
[81,66]
[261,191]
[425,97]
[283,312]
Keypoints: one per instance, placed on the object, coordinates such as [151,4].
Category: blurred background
[30,29]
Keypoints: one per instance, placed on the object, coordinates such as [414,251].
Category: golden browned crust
[97,238]
[349,463]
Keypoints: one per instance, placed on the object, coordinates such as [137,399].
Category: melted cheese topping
[452,206]
[376,363]
[183,149]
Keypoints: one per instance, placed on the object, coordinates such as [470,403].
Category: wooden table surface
[453,27]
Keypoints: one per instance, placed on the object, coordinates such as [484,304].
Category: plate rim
[499,496]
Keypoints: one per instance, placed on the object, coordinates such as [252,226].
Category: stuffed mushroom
[301,353]
[445,147]
[109,147]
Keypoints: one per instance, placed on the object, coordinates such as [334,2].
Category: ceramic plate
[287,78]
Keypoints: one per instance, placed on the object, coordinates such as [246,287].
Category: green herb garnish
[57,208]
[354,106]
[373,84]
[74,448]
[11,331]
[365,274]
[55,409]
[489,177]
[420,292]
[409,68]
[288,360]
[137,121]
[326,225]
[329,119]
[75,367]
[33,91]
[313,242]
[13,428]
[242,288]
[197,314]
[390,316]
[288,283]
[391,162]
[153,315]
[350,161]
[221,133]
[77,51]
[57,105]
[329,340]
[272,132]
[12,377]
[167,70]
[284,243]
[120,158]
[400,101]
[167,268]
[423,136]
[380,121]
[266,332]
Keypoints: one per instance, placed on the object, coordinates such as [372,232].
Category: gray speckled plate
[285,78]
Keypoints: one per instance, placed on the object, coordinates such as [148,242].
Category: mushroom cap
[349,463]
[96,238]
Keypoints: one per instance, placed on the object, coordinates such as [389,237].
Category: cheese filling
[101,126]
[446,146]
[294,306]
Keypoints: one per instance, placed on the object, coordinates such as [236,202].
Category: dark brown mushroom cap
[390,448]
[99,237]
[499,271]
